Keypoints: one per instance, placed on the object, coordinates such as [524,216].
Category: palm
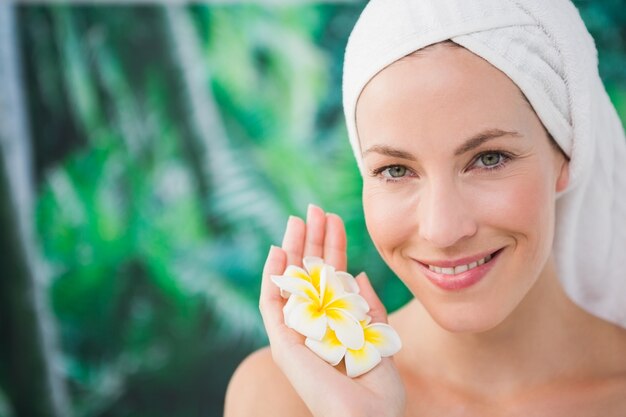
[326,390]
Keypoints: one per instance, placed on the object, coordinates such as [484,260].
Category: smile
[459,268]
[460,273]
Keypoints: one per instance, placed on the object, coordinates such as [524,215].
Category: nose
[444,215]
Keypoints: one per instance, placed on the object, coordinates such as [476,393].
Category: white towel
[544,47]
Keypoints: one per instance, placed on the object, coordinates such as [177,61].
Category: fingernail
[312,208]
[293,219]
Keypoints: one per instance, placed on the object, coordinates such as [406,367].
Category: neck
[545,336]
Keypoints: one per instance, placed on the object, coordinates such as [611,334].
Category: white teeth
[460,268]
[434,269]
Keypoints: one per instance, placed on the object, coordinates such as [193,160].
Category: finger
[293,241]
[315,231]
[335,243]
[378,312]
[270,300]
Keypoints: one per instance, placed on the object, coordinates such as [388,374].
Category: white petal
[347,328]
[348,282]
[315,268]
[331,285]
[295,286]
[352,303]
[335,282]
[327,273]
[310,262]
[297,272]
[384,338]
[329,348]
[294,300]
[306,319]
[361,361]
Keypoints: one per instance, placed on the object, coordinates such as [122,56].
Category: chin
[467,317]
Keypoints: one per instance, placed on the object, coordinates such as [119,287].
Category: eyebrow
[482,137]
[471,143]
[390,151]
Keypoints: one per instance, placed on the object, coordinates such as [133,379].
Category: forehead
[440,91]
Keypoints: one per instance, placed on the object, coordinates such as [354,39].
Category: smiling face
[459,185]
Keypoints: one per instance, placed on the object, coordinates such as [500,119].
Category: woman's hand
[326,391]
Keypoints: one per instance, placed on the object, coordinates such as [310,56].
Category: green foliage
[154,226]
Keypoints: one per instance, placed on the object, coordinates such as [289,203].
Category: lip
[464,279]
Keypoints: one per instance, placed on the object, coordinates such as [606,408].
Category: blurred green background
[167,147]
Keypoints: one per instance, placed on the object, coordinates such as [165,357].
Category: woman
[493,182]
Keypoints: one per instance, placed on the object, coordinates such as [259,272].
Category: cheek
[388,217]
[522,206]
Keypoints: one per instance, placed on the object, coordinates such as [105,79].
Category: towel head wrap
[545,49]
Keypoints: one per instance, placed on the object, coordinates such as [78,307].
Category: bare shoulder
[259,388]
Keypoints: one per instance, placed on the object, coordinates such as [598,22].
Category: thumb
[378,312]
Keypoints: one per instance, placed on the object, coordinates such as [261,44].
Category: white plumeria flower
[324,305]
[381,340]
[313,266]
[329,348]
[319,299]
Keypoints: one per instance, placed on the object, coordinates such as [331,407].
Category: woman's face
[458,170]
